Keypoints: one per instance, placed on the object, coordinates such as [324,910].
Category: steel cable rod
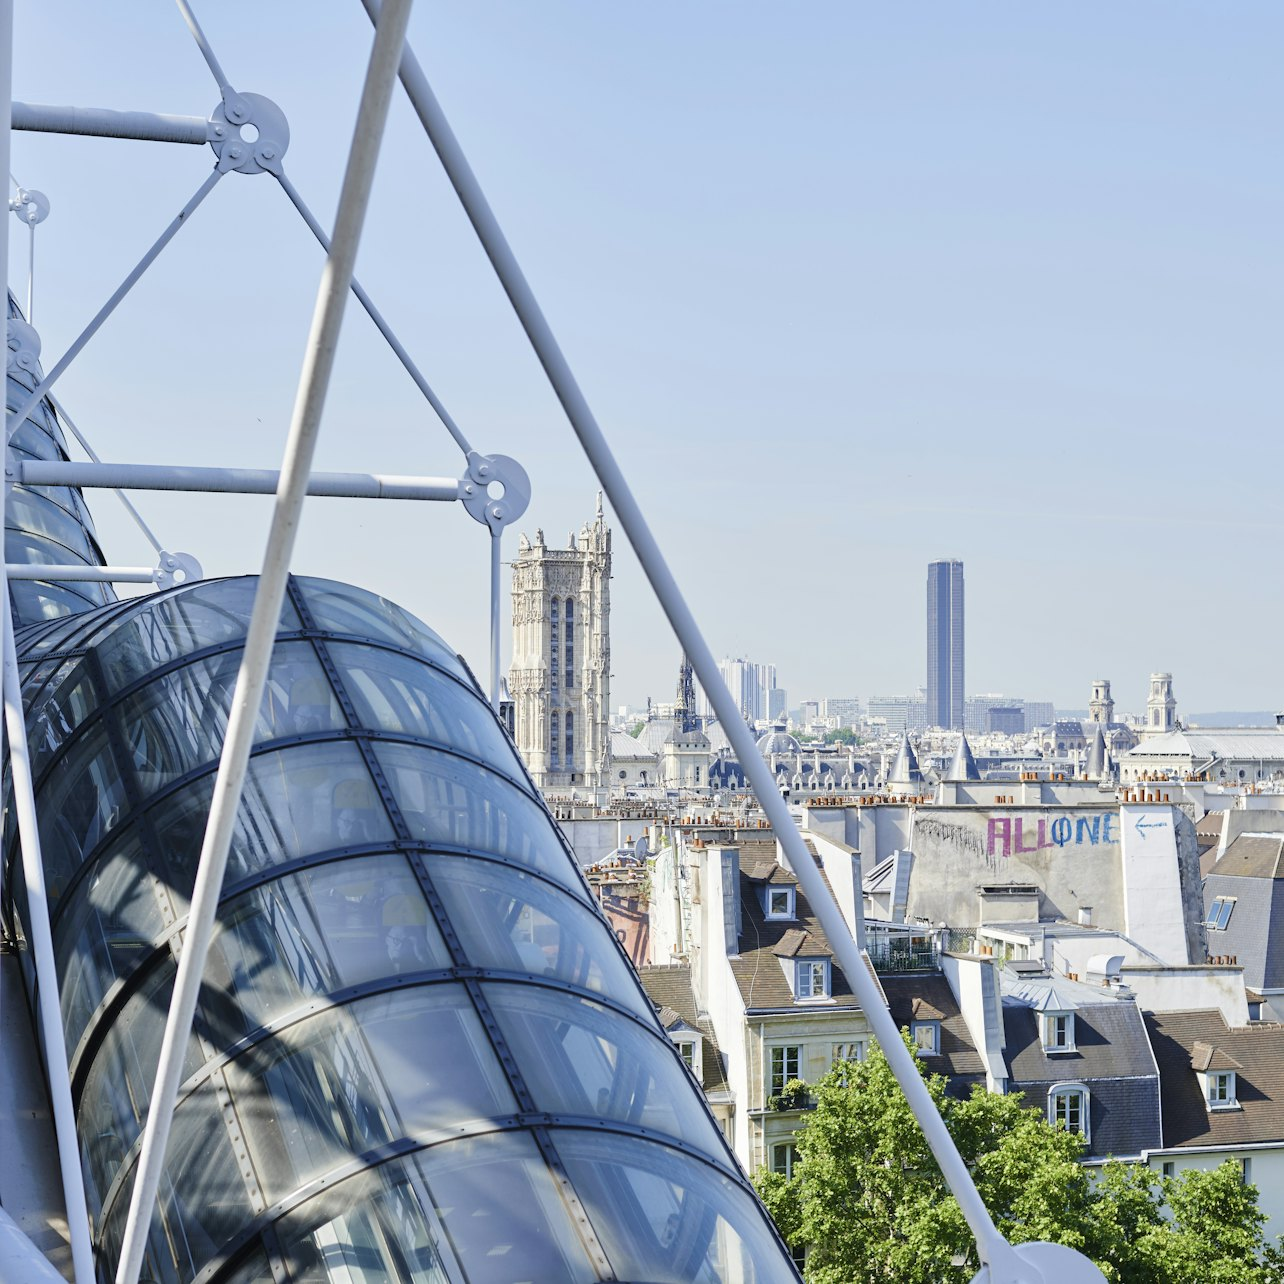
[207,50]
[42,388]
[120,494]
[251,680]
[377,317]
[1000,1261]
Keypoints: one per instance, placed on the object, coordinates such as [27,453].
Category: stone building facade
[559,681]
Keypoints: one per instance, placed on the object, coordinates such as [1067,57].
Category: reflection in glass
[667,1220]
[448,800]
[580,1058]
[506,919]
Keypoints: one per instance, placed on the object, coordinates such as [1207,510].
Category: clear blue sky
[850,287]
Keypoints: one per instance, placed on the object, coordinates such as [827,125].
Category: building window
[926,1036]
[784,1155]
[1220,1090]
[1068,1108]
[785,1063]
[1219,913]
[687,1051]
[570,739]
[1058,1032]
[554,657]
[1246,1171]
[570,644]
[811,978]
[1169,1168]
[854,1051]
[553,745]
[780,902]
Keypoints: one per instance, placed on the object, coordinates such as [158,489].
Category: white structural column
[1001,1264]
[41,943]
[50,1013]
[252,678]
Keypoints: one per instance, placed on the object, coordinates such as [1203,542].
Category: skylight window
[1219,913]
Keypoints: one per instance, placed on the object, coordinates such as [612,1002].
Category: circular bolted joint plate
[241,114]
[24,346]
[1046,1264]
[30,206]
[176,568]
[494,471]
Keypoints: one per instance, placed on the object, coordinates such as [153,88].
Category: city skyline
[1023,370]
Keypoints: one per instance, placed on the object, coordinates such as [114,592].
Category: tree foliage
[868,1199]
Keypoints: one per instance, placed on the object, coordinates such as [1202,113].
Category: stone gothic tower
[559,681]
[1161,707]
[1101,708]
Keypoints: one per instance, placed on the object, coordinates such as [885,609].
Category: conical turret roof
[1094,766]
[905,770]
[964,765]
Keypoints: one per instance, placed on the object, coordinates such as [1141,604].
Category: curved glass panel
[507,919]
[667,1220]
[341,608]
[579,1058]
[448,800]
[392,692]
[488,1206]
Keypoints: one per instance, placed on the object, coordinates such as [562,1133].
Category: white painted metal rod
[100,122]
[120,494]
[495,575]
[16,418]
[994,1250]
[314,381]
[207,50]
[49,1008]
[377,317]
[78,571]
[236,481]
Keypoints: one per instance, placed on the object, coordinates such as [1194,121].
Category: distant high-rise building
[777,704]
[945,644]
[750,685]
[1038,713]
[845,710]
[899,712]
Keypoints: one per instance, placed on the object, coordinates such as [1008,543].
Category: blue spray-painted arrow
[1142,826]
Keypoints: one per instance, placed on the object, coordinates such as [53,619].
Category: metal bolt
[268,153]
[235,153]
[218,131]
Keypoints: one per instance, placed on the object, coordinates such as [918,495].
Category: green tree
[867,1197]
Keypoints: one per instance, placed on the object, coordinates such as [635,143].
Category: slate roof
[757,969]
[929,998]
[625,748]
[1258,1051]
[1112,1058]
[669,989]
[1254,933]
[1252,856]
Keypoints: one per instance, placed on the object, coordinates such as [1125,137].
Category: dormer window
[780,902]
[927,1037]
[688,1046]
[1219,1090]
[1068,1108]
[811,979]
[1058,1032]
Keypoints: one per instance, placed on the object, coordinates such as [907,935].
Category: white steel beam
[1001,1264]
[100,122]
[80,573]
[49,1008]
[336,278]
[238,481]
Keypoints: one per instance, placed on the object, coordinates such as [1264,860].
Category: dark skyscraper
[945,644]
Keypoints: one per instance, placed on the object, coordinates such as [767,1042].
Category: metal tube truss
[251,681]
[101,122]
[234,481]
